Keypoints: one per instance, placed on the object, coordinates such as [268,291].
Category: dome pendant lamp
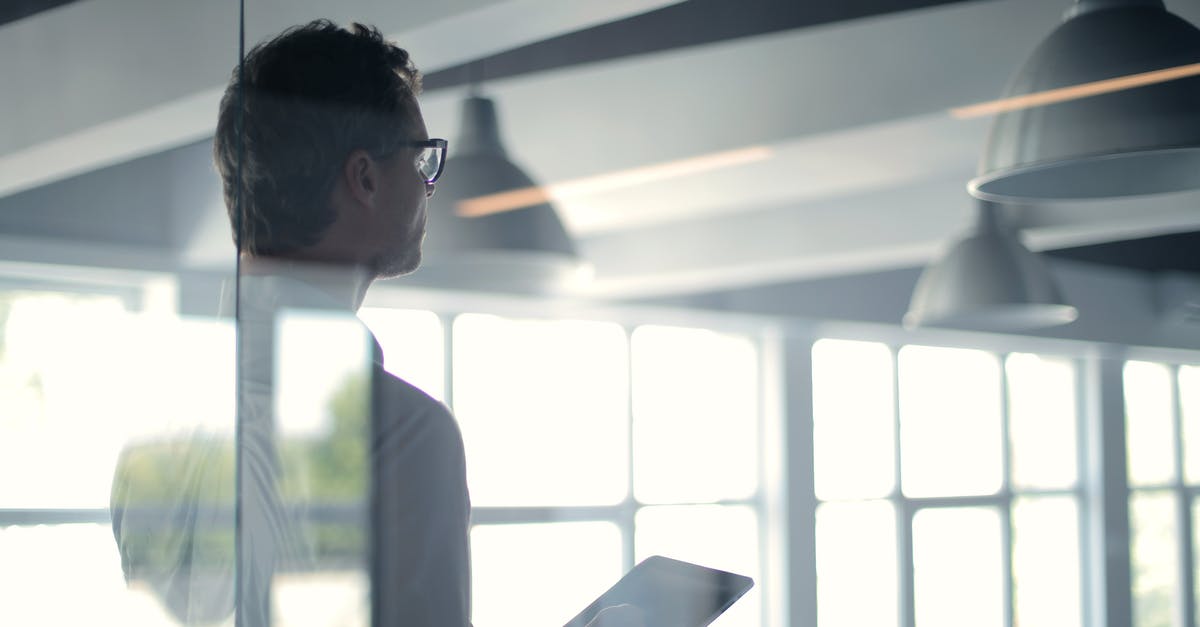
[525,249]
[988,281]
[1107,105]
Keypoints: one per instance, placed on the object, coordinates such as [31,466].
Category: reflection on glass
[173,488]
[541,574]
[853,424]
[1189,401]
[322,405]
[718,536]
[695,415]
[172,492]
[1148,431]
[1041,421]
[543,408]
[318,357]
[949,421]
[1046,578]
[957,570]
[413,348]
[856,565]
[105,409]
[1154,557]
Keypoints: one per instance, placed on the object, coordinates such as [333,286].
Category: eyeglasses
[430,159]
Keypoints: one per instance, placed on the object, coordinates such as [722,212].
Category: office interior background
[712,364]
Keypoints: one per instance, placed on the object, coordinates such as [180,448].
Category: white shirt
[410,525]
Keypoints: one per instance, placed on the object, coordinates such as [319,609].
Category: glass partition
[449,313]
[585,443]
[117,388]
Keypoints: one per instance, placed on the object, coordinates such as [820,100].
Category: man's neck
[346,284]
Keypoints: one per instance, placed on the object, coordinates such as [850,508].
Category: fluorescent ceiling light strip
[530,196]
[1074,92]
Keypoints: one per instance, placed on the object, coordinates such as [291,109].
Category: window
[542,406]
[947,482]
[82,379]
[1162,407]
[590,447]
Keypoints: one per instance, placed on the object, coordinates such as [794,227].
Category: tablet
[671,593]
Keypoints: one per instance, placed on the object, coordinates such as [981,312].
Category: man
[327,167]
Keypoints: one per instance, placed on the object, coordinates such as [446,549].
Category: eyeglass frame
[433,142]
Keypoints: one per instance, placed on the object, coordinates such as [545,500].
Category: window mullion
[1186,607]
[801,487]
[629,512]
[1084,492]
[447,320]
[904,509]
[1006,490]
[48,516]
[1108,489]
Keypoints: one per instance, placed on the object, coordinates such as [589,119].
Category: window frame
[760,331]
[907,507]
[134,290]
[1183,495]
[785,503]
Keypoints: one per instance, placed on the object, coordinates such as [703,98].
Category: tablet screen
[671,593]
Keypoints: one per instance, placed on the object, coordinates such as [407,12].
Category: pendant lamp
[522,250]
[1107,136]
[988,281]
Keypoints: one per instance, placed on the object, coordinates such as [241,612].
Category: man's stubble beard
[397,264]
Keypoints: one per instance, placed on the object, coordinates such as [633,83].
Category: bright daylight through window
[1162,403]
[589,448]
[957,466]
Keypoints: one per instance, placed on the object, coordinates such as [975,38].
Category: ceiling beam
[893,228]
[119,79]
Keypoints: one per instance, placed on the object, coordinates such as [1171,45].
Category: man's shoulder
[401,401]
[394,388]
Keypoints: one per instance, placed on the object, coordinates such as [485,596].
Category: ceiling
[14,10]
[860,166]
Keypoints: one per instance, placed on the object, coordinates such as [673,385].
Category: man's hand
[623,615]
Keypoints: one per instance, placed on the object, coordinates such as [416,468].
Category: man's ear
[361,175]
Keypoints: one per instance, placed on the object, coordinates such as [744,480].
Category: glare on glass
[1149,434]
[856,564]
[324,597]
[950,433]
[59,387]
[322,406]
[429,158]
[1189,402]
[1195,551]
[1154,558]
[1042,421]
[81,379]
[540,574]
[413,346]
[957,567]
[544,410]
[1046,575]
[71,575]
[853,420]
[695,415]
[718,536]
[319,356]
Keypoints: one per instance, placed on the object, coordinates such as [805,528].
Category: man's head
[323,121]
